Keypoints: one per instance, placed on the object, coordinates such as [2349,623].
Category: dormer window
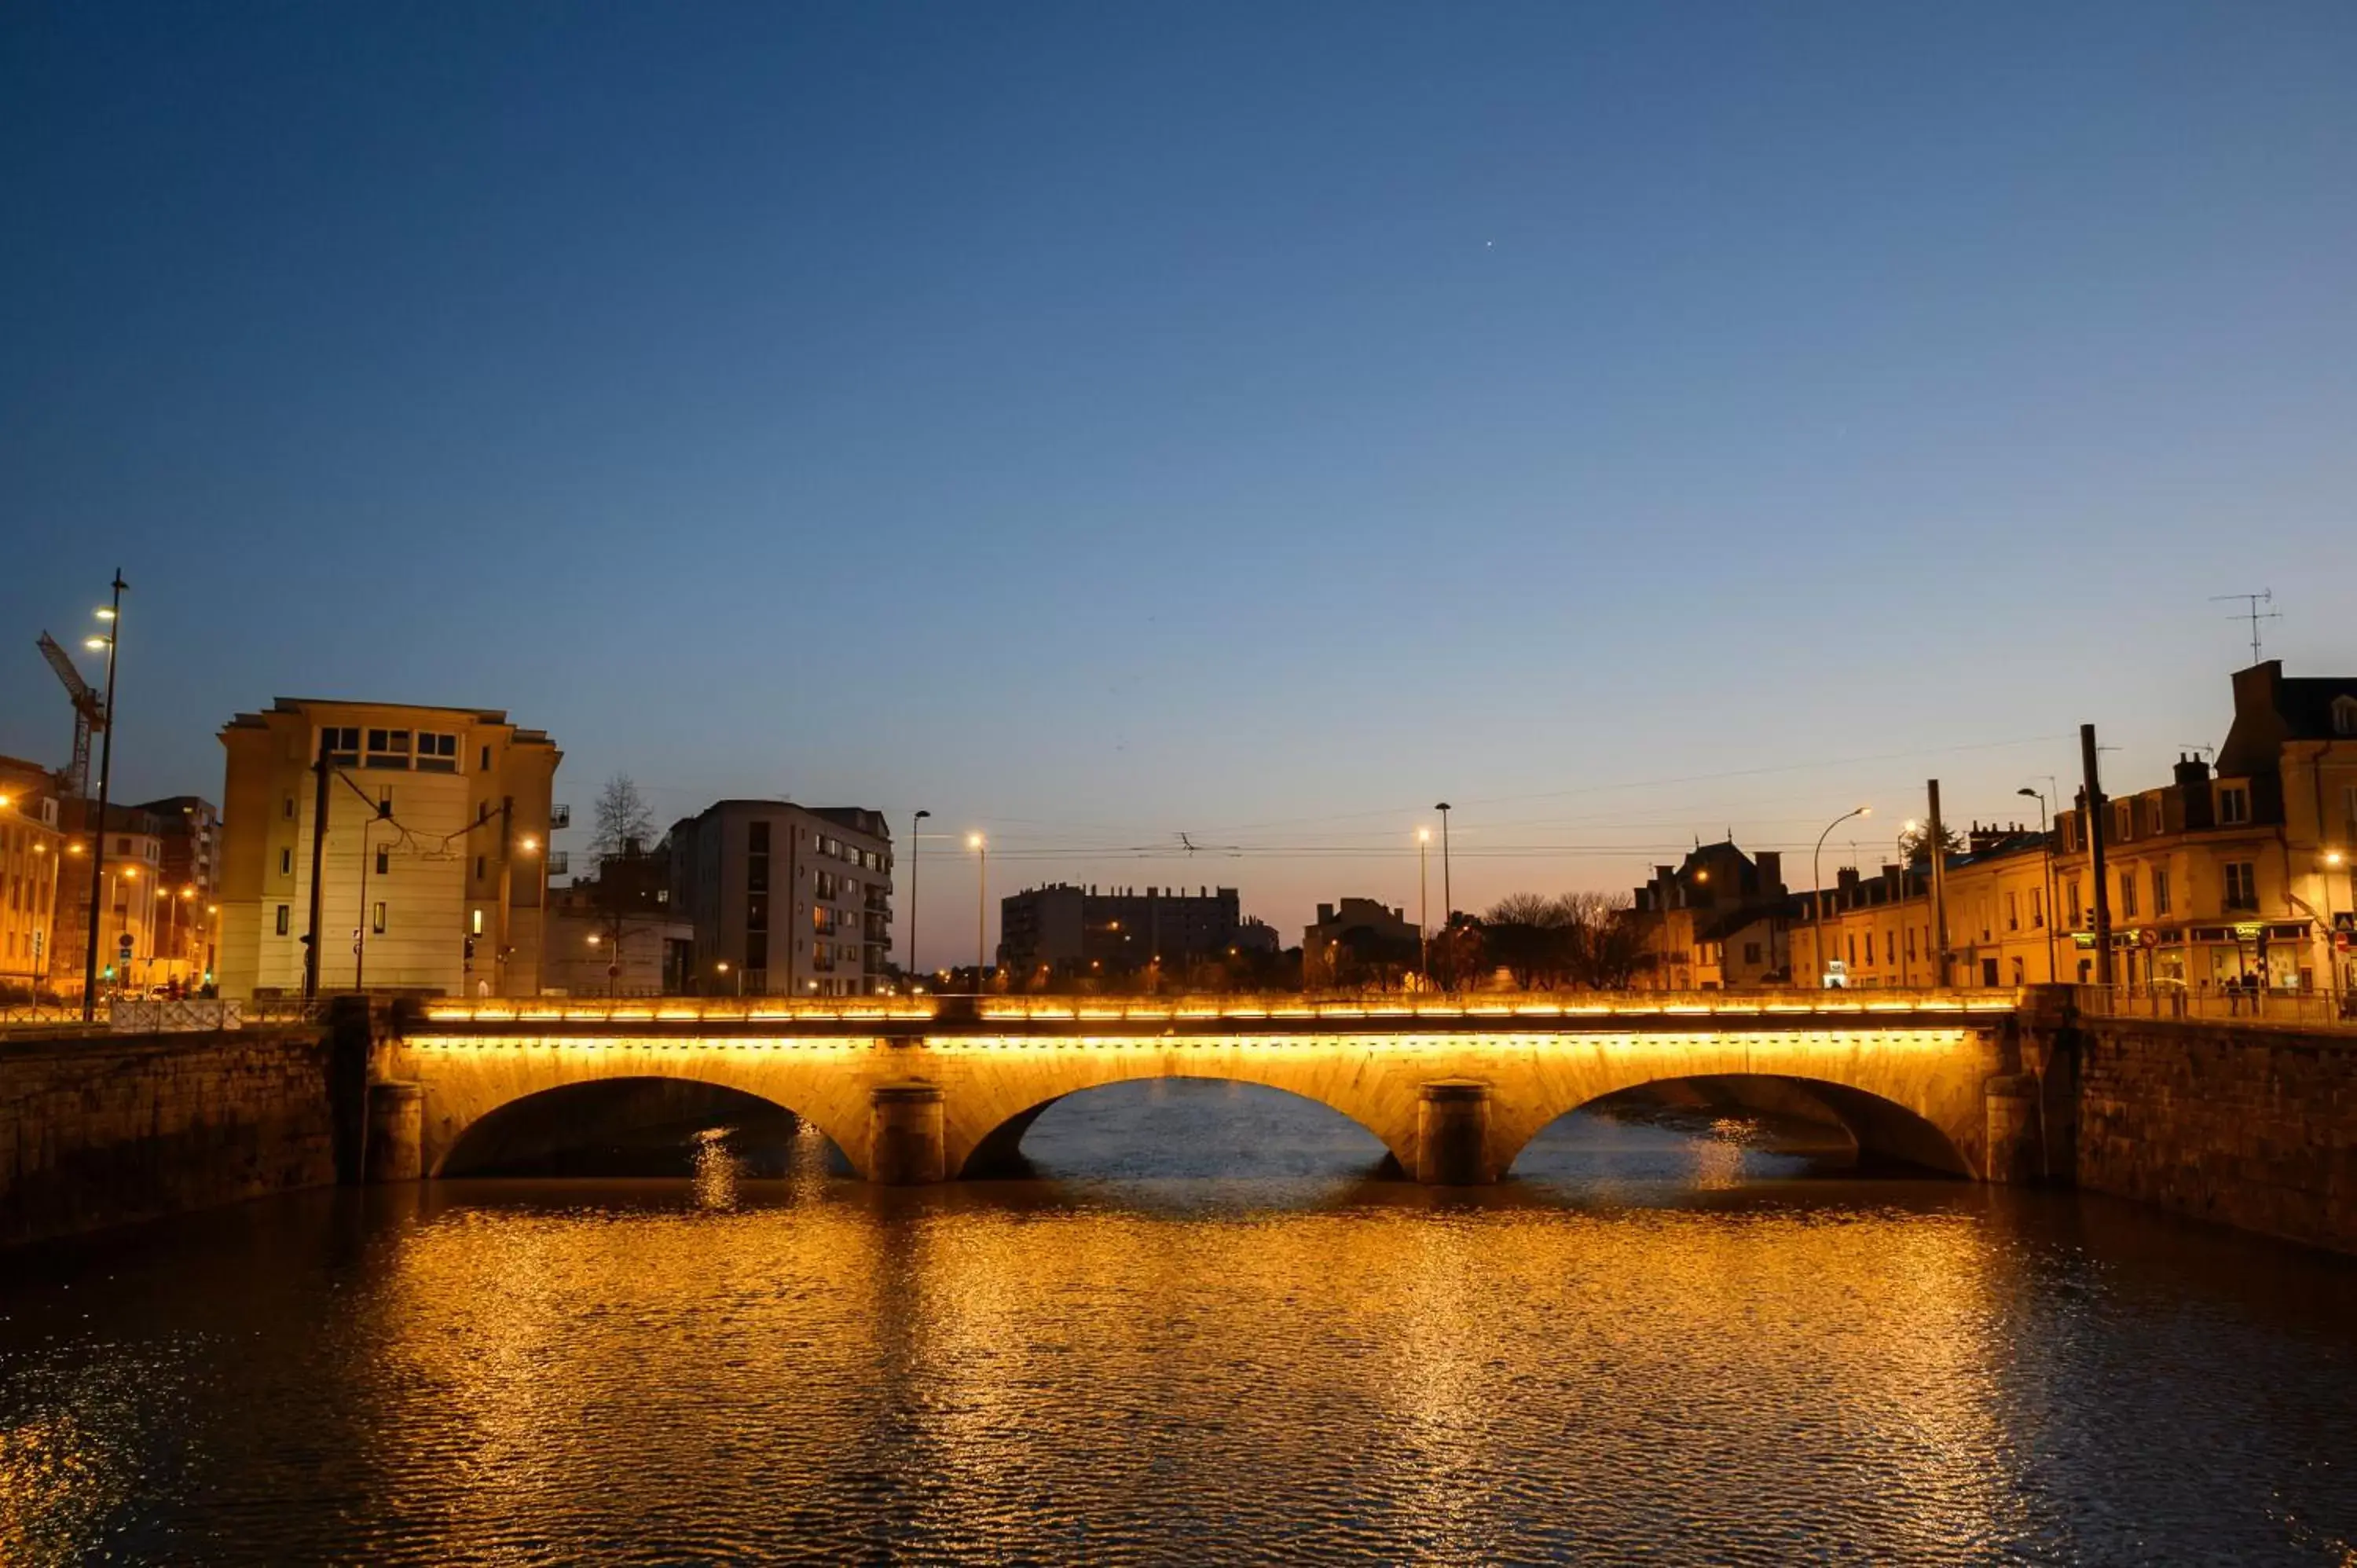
[2344,715]
[2233,804]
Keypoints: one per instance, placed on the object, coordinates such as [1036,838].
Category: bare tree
[1607,941]
[1530,935]
[625,820]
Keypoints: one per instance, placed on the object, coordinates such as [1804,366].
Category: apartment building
[433,859]
[1878,931]
[32,849]
[1068,931]
[185,944]
[786,900]
[2241,875]
[1717,920]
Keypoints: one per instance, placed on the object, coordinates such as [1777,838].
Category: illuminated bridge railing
[965,1013]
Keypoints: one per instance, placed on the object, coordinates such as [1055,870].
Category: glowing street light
[976,843]
[111,613]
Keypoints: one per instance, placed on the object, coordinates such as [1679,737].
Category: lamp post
[1447,899]
[113,616]
[2045,843]
[1424,903]
[916,839]
[722,968]
[981,848]
[1817,882]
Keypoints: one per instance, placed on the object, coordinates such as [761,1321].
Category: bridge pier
[1452,1133]
[396,1132]
[905,1146]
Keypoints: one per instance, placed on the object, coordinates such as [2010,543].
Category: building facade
[32,849]
[1063,932]
[1717,920]
[1878,932]
[187,906]
[2245,876]
[434,849]
[1360,941]
[785,900]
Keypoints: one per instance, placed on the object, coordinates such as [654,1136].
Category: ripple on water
[1137,1360]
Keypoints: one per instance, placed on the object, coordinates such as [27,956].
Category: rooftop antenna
[2253,613]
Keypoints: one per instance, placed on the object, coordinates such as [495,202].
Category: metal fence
[2225,1002]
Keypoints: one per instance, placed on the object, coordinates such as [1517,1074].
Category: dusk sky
[1101,423]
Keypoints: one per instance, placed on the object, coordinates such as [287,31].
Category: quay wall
[99,1129]
[2246,1124]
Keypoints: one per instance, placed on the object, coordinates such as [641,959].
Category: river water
[1209,1330]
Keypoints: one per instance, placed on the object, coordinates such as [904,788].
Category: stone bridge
[918,1091]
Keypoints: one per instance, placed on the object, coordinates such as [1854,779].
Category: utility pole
[1939,887]
[113,618]
[916,834]
[318,855]
[2094,824]
[1448,900]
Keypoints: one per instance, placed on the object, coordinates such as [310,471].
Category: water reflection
[1627,1354]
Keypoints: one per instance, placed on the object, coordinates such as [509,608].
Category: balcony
[559,818]
[560,862]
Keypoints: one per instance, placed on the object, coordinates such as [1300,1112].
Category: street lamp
[722,967]
[976,843]
[916,841]
[2045,843]
[1424,903]
[113,616]
[1817,882]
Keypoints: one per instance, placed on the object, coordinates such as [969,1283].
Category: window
[1853,952]
[2234,803]
[487,760]
[2242,884]
[2073,903]
[2159,891]
[383,859]
[757,837]
[2128,894]
[479,868]
[2123,821]
[2012,911]
[376,921]
[286,863]
[290,807]
[1869,949]
[1751,953]
[2036,909]
[436,753]
[1911,941]
[477,927]
[2020,972]
[284,915]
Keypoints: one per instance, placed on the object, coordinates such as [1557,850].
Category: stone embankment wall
[97,1130]
[2245,1124]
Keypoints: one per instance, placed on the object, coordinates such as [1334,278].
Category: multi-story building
[434,850]
[129,884]
[2243,876]
[786,900]
[187,905]
[1878,932]
[607,941]
[32,848]
[1717,920]
[1360,941]
[1066,931]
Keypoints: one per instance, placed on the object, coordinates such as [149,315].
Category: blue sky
[1099,422]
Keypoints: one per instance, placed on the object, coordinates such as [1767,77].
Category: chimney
[1771,873]
[1325,914]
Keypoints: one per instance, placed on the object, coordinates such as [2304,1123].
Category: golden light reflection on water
[726,1369]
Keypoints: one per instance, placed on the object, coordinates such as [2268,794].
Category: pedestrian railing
[2221,1002]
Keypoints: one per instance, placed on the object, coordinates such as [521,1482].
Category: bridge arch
[465,1088]
[1881,1129]
[545,1130]
[999,1151]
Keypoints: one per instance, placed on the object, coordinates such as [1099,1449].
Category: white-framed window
[387,748]
[285,918]
[436,752]
[2344,715]
[2233,804]
[2242,884]
[477,927]
[2128,893]
[286,863]
[2160,890]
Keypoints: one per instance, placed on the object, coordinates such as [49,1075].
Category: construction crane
[90,713]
